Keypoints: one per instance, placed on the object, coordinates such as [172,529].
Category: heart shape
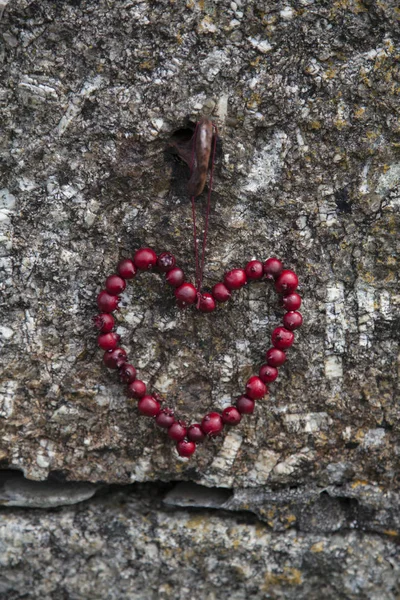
[115,357]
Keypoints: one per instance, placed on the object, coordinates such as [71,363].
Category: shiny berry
[231,415]
[275,357]
[127,373]
[145,258]
[104,322]
[221,292]
[165,418]
[126,268]
[212,424]
[272,268]
[195,433]
[114,359]
[175,277]
[291,302]
[115,285]
[185,448]
[165,262]
[106,302]
[286,282]
[177,431]
[255,388]
[282,338]
[207,303]
[108,341]
[292,320]
[245,405]
[136,389]
[267,373]
[149,406]
[235,279]
[254,269]
[186,294]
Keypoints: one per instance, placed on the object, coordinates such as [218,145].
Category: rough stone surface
[306,98]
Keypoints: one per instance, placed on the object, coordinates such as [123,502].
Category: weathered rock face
[306,100]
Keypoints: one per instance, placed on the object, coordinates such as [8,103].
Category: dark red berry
[207,303]
[291,302]
[106,302]
[165,262]
[115,285]
[136,389]
[149,406]
[292,320]
[177,431]
[126,268]
[105,322]
[221,292]
[127,373]
[272,268]
[185,448]
[268,374]
[254,269]
[245,405]
[212,424]
[108,341]
[255,388]
[282,338]
[231,415]
[175,277]
[114,359]
[186,294]
[275,357]
[235,279]
[165,418]
[195,433]
[145,258]
[286,282]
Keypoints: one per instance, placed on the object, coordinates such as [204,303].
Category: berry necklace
[285,282]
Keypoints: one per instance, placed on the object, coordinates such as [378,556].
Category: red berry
[165,418]
[185,448]
[165,262]
[175,277]
[127,373]
[177,431]
[115,285]
[149,406]
[292,320]
[137,389]
[272,268]
[105,322]
[275,357]
[254,269]
[235,279]
[245,405]
[126,268]
[282,338]
[186,294]
[106,302]
[221,292]
[291,302]
[286,282]
[114,359]
[268,374]
[145,258]
[255,388]
[212,424]
[108,341]
[231,415]
[195,433]
[207,303]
